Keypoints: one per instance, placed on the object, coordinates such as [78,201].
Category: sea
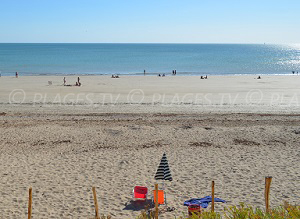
[133,59]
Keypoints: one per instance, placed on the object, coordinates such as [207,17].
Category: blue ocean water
[187,59]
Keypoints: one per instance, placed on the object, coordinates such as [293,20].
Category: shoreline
[179,74]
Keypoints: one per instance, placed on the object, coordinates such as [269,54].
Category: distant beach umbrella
[163,172]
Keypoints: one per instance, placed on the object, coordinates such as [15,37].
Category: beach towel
[203,202]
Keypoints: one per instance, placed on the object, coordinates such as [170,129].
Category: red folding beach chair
[140,193]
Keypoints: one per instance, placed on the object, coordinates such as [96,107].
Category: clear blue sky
[173,21]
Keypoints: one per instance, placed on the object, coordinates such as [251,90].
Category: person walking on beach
[144,72]
[65,81]
[17,74]
[78,81]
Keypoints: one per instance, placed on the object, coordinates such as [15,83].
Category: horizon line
[141,43]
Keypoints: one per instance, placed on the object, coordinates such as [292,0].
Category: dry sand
[61,148]
[156,94]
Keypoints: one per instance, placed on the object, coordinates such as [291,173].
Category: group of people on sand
[78,83]
[174,72]
[295,72]
[203,77]
[115,76]
[162,75]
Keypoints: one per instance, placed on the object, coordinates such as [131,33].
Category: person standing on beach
[78,80]
[17,74]
[65,81]
[144,72]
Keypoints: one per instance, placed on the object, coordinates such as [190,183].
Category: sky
[149,21]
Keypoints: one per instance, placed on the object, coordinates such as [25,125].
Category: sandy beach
[132,94]
[111,134]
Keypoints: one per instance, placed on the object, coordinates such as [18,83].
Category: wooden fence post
[156,201]
[268,181]
[30,203]
[96,203]
[213,196]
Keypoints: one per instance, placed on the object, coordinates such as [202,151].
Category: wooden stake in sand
[96,203]
[212,196]
[30,203]
[268,181]
[156,201]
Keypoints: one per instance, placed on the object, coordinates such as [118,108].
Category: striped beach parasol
[163,172]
